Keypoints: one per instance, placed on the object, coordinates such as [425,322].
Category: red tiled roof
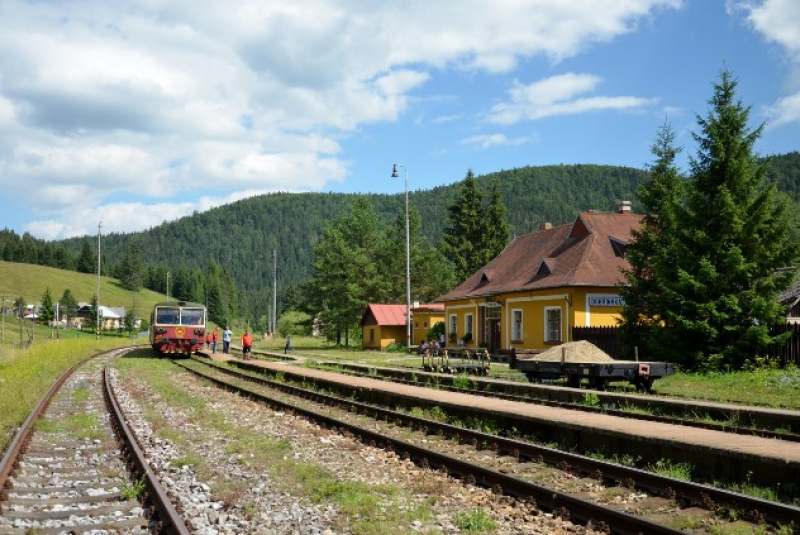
[429,307]
[384,315]
[378,314]
[586,252]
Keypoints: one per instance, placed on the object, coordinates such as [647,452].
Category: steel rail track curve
[163,518]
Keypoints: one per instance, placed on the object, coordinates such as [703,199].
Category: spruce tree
[131,269]
[650,253]
[496,231]
[463,238]
[87,261]
[728,253]
[740,237]
[47,310]
[67,305]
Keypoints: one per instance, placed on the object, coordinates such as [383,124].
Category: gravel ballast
[263,505]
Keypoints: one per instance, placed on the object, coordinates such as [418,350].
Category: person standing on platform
[247,344]
[288,346]
[214,339]
[226,339]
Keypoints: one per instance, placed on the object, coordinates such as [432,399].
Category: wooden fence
[608,339]
[789,353]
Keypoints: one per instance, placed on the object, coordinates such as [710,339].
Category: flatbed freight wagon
[597,374]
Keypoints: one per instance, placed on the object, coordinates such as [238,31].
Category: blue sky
[137,113]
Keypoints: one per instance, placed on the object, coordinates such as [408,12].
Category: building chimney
[625,207]
[547,226]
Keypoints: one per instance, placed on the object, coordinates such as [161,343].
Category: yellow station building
[543,284]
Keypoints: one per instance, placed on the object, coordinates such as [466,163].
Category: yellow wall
[423,321]
[383,336]
[580,307]
[460,309]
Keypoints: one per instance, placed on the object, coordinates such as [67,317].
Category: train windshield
[168,315]
[192,316]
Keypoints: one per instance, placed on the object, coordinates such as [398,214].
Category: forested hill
[241,236]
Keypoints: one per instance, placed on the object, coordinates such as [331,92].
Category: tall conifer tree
[496,231]
[47,310]
[650,253]
[727,254]
[463,239]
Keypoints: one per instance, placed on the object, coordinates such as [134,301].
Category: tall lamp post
[97,312]
[408,258]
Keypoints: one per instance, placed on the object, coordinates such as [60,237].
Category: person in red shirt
[214,338]
[247,344]
[208,340]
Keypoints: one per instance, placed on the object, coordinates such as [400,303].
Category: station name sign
[606,301]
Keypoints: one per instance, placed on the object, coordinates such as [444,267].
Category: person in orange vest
[208,339]
[214,338]
[247,344]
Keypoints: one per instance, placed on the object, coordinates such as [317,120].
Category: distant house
[791,300]
[384,324]
[111,318]
[543,284]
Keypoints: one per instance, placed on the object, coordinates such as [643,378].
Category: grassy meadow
[26,374]
[31,282]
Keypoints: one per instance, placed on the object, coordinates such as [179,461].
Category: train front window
[192,316]
[167,316]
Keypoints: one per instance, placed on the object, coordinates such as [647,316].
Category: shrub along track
[74,465]
[510,466]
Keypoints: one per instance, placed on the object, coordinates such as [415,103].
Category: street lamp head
[394,171]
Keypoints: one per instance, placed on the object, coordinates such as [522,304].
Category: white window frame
[453,324]
[547,339]
[516,325]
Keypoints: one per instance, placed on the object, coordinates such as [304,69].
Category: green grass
[768,387]
[30,281]
[667,468]
[26,374]
[474,521]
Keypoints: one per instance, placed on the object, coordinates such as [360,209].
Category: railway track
[75,467]
[686,413]
[511,466]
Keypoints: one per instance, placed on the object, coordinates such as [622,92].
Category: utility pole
[274,290]
[97,312]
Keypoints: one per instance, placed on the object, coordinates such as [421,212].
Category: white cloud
[777,21]
[492,140]
[559,95]
[165,102]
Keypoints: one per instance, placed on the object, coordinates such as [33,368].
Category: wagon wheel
[644,384]
[598,383]
[573,380]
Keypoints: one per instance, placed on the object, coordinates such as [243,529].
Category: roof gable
[590,251]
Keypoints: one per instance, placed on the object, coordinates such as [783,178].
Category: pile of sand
[581,351]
